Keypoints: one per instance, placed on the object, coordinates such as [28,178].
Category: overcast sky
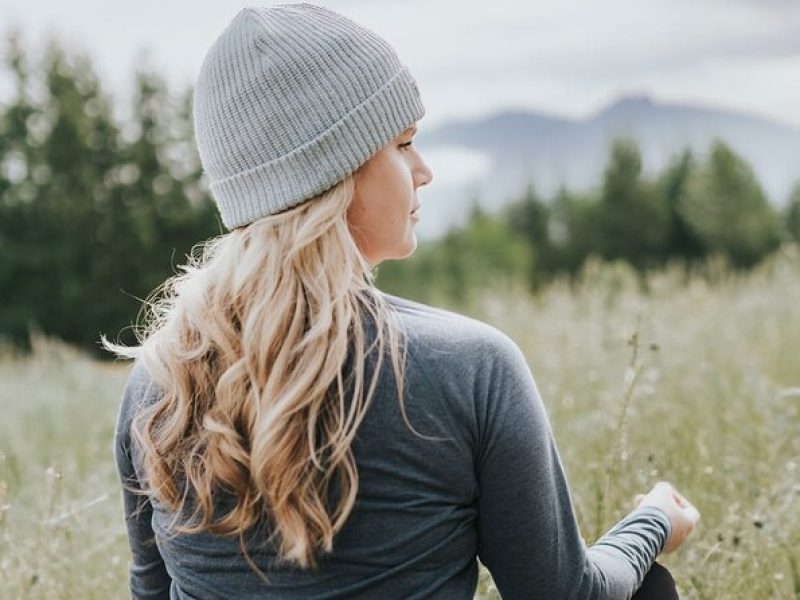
[567,58]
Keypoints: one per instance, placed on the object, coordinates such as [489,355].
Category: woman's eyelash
[407,144]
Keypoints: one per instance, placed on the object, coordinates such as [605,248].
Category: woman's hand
[682,514]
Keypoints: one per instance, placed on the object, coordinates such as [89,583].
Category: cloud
[573,56]
[473,57]
[617,39]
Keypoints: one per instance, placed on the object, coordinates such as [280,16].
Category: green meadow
[693,379]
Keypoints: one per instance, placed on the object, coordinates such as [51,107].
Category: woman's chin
[409,248]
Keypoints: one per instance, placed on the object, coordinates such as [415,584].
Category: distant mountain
[549,151]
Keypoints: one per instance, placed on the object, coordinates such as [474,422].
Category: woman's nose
[425,175]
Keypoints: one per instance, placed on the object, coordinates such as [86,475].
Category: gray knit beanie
[288,101]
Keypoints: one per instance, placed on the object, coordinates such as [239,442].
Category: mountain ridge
[551,151]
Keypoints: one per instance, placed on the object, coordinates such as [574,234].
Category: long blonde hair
[248,346]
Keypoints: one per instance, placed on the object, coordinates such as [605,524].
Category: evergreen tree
[529,218]
[17,154]
[727,209]
[792,214]
[634,216]
[575,230]
[672,184]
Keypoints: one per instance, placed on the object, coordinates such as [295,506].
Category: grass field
[696,382]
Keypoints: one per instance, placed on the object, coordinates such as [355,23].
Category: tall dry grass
[695,381]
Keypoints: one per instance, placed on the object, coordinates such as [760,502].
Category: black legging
[657,585]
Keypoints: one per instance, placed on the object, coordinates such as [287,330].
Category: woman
[288,430]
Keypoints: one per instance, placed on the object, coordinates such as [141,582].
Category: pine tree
[634,216]
[727,209]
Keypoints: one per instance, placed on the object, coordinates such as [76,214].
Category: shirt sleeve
[148,576]
[528,534]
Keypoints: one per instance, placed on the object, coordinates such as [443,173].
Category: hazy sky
[567,58]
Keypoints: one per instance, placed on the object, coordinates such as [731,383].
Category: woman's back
[489,486]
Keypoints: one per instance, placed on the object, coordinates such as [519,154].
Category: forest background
[667,299]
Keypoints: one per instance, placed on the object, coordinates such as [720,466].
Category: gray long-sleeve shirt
[495,489]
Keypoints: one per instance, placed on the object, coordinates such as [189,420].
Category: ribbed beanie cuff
[289,101]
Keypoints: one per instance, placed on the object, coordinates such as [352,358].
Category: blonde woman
[288,430]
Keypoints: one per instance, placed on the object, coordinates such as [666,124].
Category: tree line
[693,210]
[95,212]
